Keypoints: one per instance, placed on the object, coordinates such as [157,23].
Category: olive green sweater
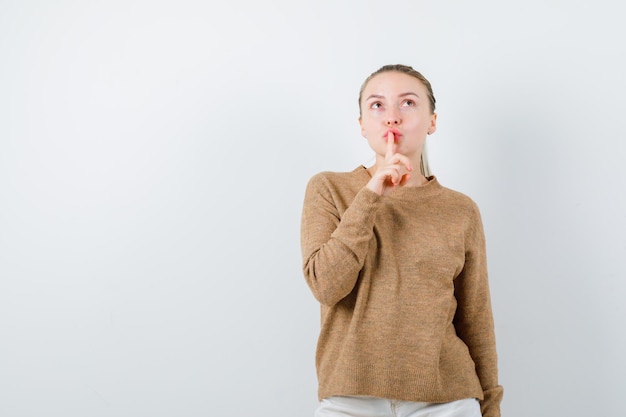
[402,283]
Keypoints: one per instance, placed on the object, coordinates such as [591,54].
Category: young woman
[398,264]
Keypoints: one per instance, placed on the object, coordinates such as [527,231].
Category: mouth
[395,132]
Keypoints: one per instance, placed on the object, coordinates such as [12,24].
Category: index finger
[391,145]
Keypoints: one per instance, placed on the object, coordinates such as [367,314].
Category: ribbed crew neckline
[431,188]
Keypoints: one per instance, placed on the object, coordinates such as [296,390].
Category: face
[398,103]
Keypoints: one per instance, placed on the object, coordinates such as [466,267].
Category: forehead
[392,83]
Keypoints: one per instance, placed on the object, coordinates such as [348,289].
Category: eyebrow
[377,96]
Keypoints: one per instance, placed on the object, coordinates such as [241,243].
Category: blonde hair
[405,69]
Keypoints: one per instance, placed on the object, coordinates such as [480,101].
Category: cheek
[376,145]
[421,123]
[367,126]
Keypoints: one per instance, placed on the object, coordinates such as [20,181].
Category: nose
[393,120]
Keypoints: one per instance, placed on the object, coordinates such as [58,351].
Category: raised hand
[395,172]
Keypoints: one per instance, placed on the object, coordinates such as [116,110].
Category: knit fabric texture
[402,284]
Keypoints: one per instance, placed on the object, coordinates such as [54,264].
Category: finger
[386,174]
[391,146]
[401,159]
[393,174]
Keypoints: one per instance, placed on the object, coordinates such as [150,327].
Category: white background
[153,159]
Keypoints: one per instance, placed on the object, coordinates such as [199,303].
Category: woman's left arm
[474,319]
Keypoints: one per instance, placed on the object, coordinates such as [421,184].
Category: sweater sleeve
[474,319]
[333,244]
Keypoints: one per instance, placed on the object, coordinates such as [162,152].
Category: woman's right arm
[334,245]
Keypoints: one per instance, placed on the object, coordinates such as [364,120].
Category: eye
[376,105]
[409,103]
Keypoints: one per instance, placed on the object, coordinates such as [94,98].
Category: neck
[417,179]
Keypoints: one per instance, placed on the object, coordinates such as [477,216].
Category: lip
[396,134]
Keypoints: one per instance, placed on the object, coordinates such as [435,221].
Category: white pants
[359,406]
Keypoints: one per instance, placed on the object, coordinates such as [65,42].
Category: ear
[362,128]
[433,124]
